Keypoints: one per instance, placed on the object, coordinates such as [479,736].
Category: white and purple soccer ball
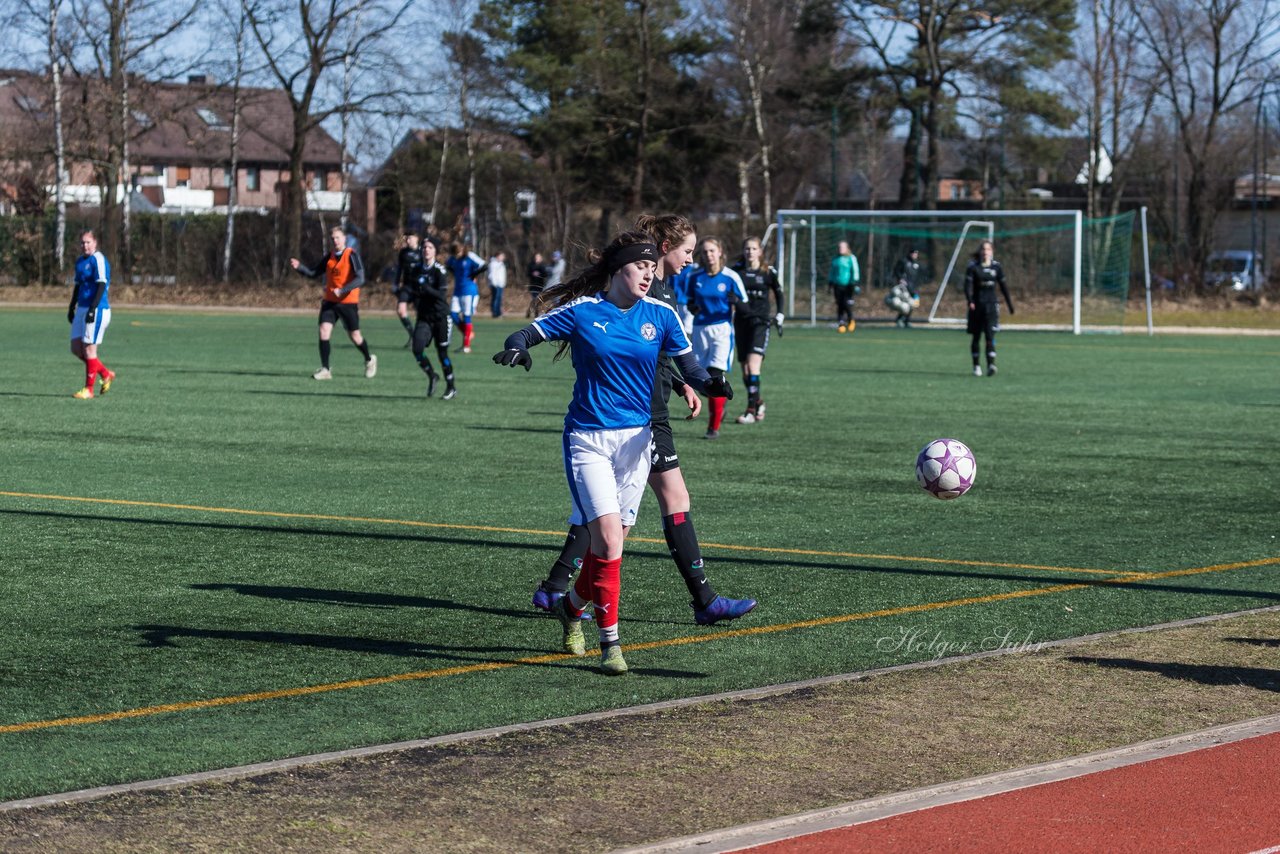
[945,468]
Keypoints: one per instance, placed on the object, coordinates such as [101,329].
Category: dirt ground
[646,777]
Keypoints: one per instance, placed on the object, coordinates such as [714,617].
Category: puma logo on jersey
[603,326]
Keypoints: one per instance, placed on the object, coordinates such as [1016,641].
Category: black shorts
[403,294]
[428,329]
[347,312]
[985,317]
[751,335]
[663,447]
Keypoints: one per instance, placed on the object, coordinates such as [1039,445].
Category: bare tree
[1210,58]
[302,44]
[126,41]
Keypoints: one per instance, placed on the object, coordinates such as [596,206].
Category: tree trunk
[60,154]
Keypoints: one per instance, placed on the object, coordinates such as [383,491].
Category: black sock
[425,364]
[570,560]
[446,364]
[325,347]
[683,543]
[364,348]
[753,391]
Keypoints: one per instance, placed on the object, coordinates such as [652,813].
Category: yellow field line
[670,642]
[411,523]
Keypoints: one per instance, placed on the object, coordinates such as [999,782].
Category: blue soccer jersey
[615,354]
[91,269]
[715,295]
[464,272]
[680,283]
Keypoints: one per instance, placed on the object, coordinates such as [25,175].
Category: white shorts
[607,472]
[465,305]
[713,345]
[686,318]
[90,333]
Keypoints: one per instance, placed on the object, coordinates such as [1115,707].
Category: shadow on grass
[358,599]
[323,393]
[1264,679]
[160,636]
[1271,642]
[556,430]
[227,373]
[772,562]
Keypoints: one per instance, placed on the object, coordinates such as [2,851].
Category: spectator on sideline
[983,275]
[343,274]
[843,278]
[537,272]
[752,321]
[555,273]
[497,281]
[90,313]
[615,335]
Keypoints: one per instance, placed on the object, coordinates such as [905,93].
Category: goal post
[1065,272]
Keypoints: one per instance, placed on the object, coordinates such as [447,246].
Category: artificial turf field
[223,561]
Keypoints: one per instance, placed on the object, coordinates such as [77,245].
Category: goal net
[1064,271]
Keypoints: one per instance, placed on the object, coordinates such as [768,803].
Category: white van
[1235,269]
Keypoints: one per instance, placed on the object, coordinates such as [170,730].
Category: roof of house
[171,122]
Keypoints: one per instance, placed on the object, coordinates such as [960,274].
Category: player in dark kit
[752,320]
[429,293]
[981,279]
[408,268]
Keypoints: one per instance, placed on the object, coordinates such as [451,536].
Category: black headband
[618,257]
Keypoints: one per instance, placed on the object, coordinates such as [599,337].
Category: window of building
[959,191]
[224,176]
[318,181]
[142,118]
[251,178]
[182,176]
[210,118]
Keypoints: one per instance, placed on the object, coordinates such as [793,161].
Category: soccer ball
[945,468]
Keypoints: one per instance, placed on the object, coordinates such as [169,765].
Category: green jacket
[844,271]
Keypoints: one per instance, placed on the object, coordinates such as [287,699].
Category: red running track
[1212,801]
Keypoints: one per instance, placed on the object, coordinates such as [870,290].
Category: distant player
[90,313]
[904,296]
[713,292]
[752,321]
[465,265]
[843,278]
[430,296]
[615,333]
[343,274]
[408,266]
[537,273]
[981,279]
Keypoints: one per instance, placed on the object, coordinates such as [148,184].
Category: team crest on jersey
[720,287]
[649,332]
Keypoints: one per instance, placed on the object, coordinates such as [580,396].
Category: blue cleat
[722,608]
[545,600]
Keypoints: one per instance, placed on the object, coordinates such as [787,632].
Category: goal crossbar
[791,222]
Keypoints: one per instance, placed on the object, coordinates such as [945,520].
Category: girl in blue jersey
[465,265]
[90,313]
[713,292]
[675,238]
[615,333]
